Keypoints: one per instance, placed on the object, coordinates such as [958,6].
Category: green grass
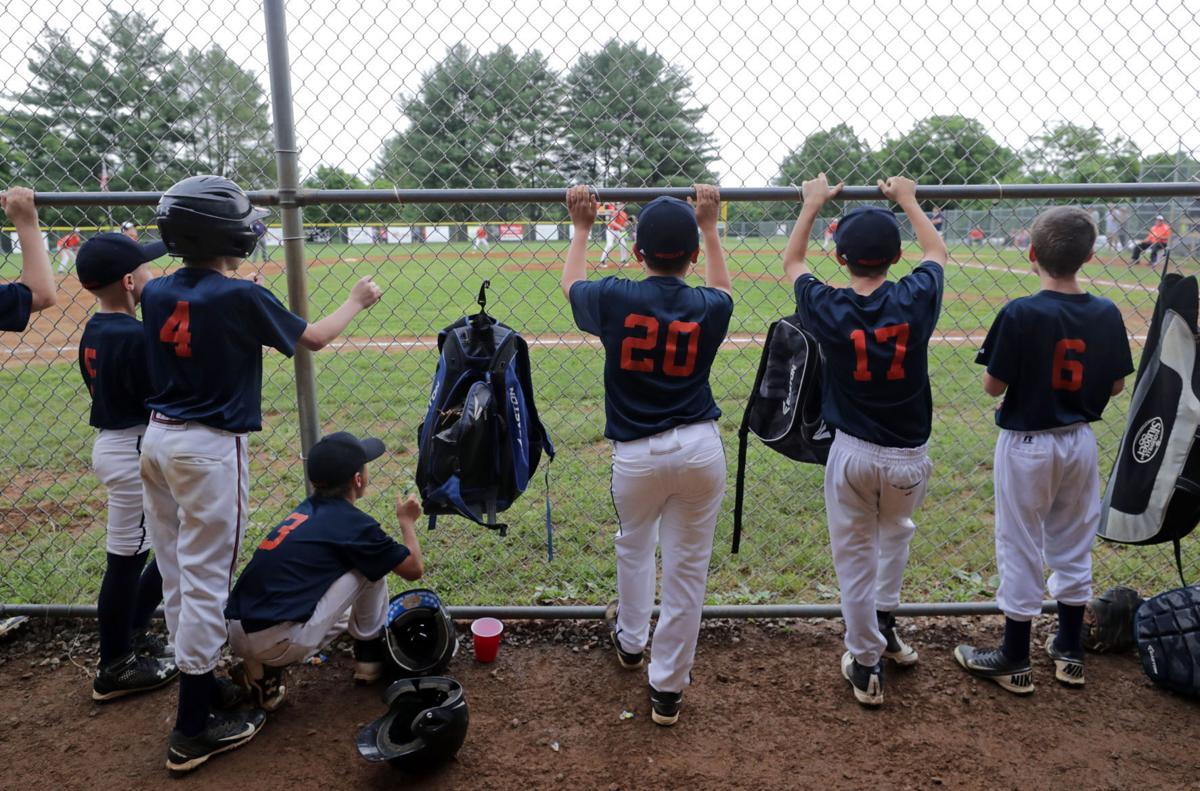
[51,534]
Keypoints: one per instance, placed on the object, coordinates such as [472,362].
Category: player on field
[614,234]
[1056,357]
[326,559]
[36,290]
[68,246]
[660,337]
[481,239]
[205,333]
[874,337]
[112,361]
[1156,240]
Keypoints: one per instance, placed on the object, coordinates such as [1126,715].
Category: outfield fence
[408,214]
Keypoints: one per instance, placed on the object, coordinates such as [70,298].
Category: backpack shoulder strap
[743,434]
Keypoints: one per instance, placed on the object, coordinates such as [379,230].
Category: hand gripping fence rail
[430,149]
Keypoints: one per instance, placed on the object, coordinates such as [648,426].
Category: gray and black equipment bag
[784,410]
[1153,494]
[1167,629]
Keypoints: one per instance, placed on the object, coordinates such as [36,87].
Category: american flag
[103,176]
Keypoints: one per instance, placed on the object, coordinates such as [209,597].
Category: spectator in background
[1112,227]
[938,221]
[260,247]
[67,247]
[1020,238]
[1158,239]
[975,236]
[130,229]
[1123,229]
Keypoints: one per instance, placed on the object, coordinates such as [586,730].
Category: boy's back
[660,337]
[112,359]
[1059,354]
[876,384]
[204,335]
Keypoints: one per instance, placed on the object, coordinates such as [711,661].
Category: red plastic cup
[486,632]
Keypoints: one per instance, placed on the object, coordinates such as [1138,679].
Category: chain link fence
[456,95]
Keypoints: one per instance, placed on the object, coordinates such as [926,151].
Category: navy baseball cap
[108,257]
[868,236]
[667,230]
[336,457]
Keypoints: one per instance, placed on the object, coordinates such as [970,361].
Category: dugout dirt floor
[768,710]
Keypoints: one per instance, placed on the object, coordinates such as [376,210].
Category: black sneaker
[627,660]
[665,706]
[368,660]
[867,682]
[264,686]
[896,649]
[992,664]
[149,643]
[226,730]
[1068,665]
[131,674]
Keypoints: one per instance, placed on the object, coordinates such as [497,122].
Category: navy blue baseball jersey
[303,555]
[1059,354]
[876,349]
[16,302]
[660,337]
[112,360]
[204,338]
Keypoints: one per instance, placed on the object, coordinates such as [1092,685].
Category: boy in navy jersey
[1057,357]
[36,289]
[874,336]
[204,339]
[326,559]
[112,361]
[660,337]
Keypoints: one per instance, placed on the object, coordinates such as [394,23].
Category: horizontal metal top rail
[933,192]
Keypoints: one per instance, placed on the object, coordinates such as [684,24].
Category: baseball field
[376,382]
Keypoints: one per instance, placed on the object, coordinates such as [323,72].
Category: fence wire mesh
[132,96]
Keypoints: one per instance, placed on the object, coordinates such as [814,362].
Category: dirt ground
[768,709]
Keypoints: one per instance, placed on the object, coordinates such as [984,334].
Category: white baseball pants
[612,238]
[871,493]
[116,461]
[353,603]
[481,244]
[667,489]
[1047,512]
[196,490]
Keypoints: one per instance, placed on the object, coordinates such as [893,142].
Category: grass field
[51,534]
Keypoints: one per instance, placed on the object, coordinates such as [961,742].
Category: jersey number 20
[175,330]
[635,350]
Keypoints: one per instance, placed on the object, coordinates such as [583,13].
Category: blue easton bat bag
[784,410]
[1167,629]
[481,440]
[1153,494]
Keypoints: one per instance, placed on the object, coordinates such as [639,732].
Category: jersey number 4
[896,332]
[635,350]
[1067,374]
[175,330]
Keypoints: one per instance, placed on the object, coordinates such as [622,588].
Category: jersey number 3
[293,521]
[175,330]
[641,346]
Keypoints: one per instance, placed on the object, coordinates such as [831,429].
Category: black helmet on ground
[420,635]
[205,217]
[425,725]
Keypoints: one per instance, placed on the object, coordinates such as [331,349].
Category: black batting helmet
[425,725]
[421,639]
[206,217]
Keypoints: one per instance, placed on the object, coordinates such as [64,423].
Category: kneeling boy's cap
[108,257]
[336,457]
[667,230]
[868,236]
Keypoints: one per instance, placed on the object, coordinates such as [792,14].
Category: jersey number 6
[1067,374]
[175,330]
[671,366]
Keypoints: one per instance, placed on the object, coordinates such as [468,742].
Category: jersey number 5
[175,330]
[1067,374]
[671,366]
[896,332]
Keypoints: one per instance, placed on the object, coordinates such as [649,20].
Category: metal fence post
[286,155]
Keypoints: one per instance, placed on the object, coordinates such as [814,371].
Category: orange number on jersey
[176,330]
[286,526]
[633,343]
[897,332]
[670,365]
[89,354]
[1067,374]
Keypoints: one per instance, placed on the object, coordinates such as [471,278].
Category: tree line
[130,106]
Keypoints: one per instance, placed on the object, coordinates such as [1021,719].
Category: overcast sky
[770,73]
